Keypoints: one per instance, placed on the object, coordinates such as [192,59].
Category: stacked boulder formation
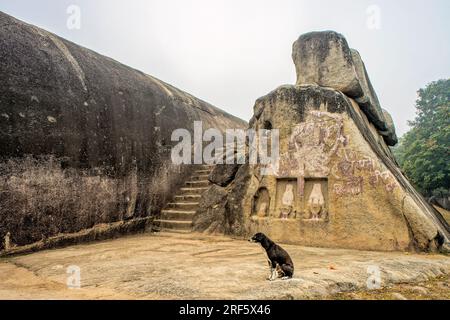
[336,182]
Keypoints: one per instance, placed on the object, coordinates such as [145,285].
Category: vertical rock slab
[368,101]
[389,136]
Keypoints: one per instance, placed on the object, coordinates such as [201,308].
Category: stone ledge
[97,233]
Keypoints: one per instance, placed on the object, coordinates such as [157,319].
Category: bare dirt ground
[195,266]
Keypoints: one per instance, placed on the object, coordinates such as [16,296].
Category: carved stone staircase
[177,215]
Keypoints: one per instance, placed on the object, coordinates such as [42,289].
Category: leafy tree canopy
[424,152]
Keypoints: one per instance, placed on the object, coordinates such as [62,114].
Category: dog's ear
[256,238]
[261,236]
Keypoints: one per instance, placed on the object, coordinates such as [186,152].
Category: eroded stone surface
[213,211]
[390,136]
[196,266]
[368,102]
[223,174]
[325,59]
[100,120]
[335,184]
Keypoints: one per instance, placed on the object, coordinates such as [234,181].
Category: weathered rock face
[221,208]
[368,102]
[214,211]
[97,118]
[325,59]
[390,137]
[59,98]
[336,182]
[223,174]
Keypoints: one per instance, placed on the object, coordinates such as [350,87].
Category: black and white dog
[280,262]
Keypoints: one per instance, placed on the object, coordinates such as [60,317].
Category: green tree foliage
[424,152]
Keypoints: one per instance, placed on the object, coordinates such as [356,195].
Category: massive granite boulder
[335,182]
[84,139]
[325,58]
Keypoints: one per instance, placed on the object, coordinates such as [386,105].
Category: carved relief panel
[316,199]
[287,202]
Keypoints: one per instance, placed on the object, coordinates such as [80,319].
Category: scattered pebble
[57,267]
[398,296]
[420,290]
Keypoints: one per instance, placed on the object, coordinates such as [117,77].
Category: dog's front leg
[274,274]
[270,270]
[273,271]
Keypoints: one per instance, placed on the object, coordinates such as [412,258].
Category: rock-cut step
[182,206]
[203,172]
[197,184]
[201,177]
[188,197]
[177,215]
[175,225]
[193,190]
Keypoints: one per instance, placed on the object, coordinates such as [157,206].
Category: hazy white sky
[231,52]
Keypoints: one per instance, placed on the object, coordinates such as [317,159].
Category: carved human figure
[287,201]
[316,202]
[312,144]
[261,203]
[262,212]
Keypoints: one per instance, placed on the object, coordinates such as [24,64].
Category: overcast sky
[230,52]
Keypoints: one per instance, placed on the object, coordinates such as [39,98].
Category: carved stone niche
[316,199]
[261,203]
[287,199]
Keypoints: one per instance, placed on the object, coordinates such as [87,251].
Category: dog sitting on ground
[280,263]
